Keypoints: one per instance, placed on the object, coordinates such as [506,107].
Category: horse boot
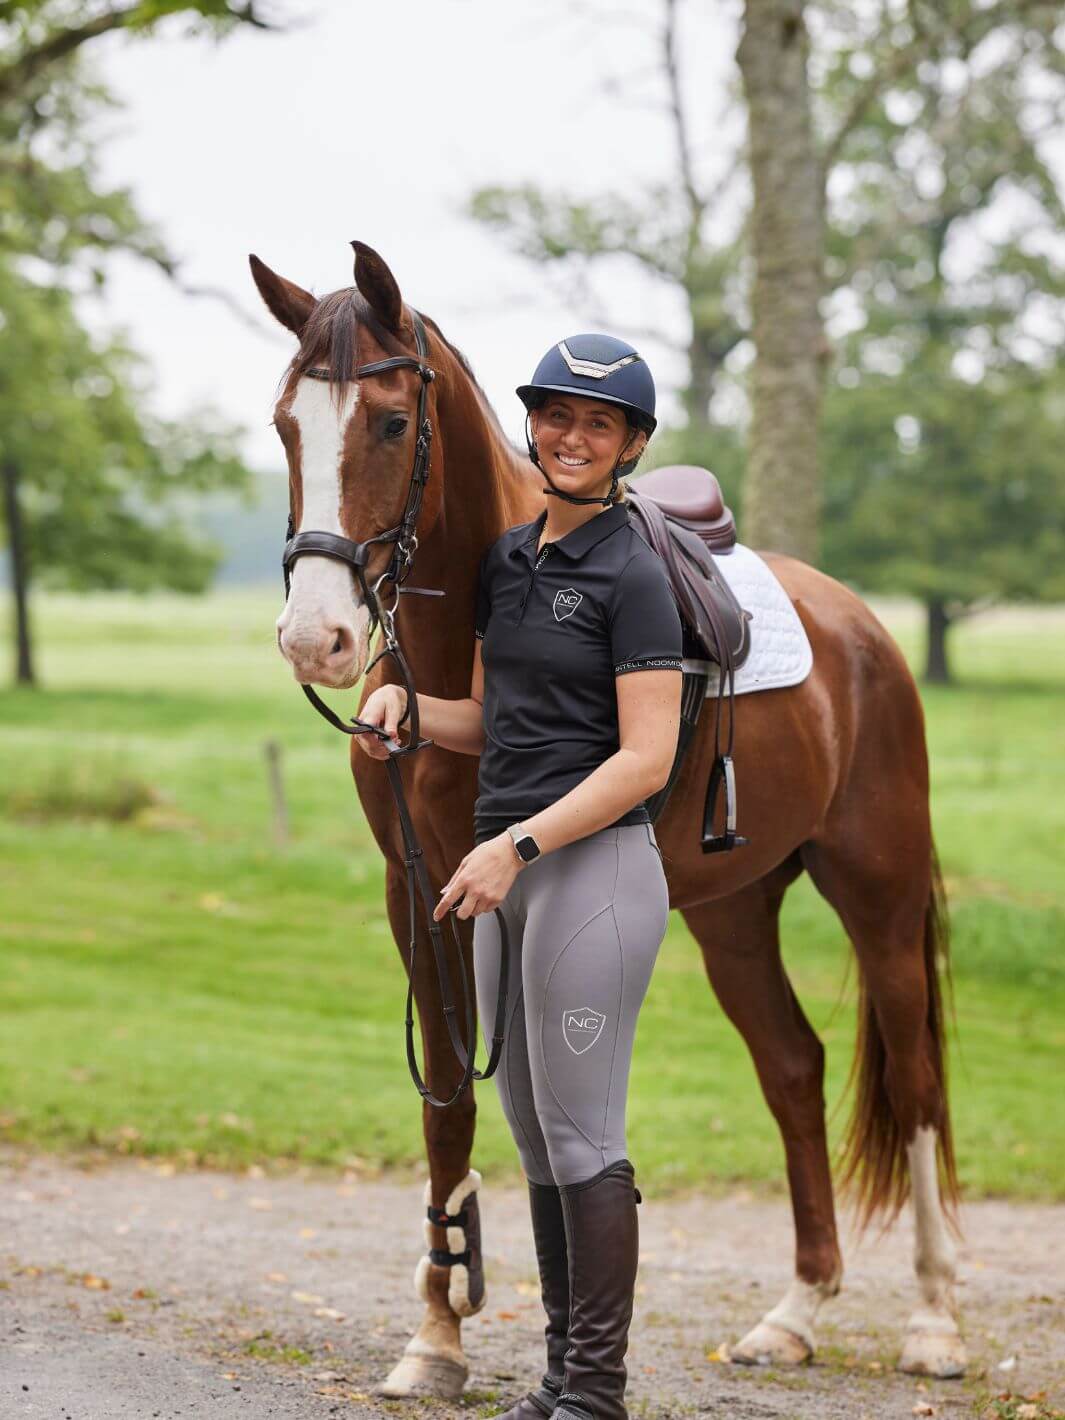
[603,1242]
[549,1235]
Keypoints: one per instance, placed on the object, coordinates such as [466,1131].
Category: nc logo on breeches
[581,1028]
[566,603]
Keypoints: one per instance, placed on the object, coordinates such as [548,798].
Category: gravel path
[130,1290]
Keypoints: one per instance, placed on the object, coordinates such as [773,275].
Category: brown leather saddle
[680,513]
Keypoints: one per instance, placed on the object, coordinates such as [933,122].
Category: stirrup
[712,842]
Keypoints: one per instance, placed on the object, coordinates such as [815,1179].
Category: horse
[835,784]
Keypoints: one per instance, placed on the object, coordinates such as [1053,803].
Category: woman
[571,743]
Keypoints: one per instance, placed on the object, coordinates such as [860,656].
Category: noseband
[356,555]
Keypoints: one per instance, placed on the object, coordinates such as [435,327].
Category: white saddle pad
[780,653]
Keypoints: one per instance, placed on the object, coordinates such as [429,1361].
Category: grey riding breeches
[585,924]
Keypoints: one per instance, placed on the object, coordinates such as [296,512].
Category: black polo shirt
[556,628]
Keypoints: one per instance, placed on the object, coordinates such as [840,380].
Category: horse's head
[350,445]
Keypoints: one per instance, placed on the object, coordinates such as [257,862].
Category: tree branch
[171,271]
[60,43]
[905,59]
[680,127]
[57,46]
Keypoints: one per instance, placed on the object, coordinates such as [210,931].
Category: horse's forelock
[330,338]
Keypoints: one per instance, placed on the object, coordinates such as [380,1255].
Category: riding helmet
[598,367]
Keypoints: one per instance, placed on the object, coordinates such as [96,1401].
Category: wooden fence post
[276,781]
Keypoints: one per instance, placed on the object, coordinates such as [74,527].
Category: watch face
[527,849]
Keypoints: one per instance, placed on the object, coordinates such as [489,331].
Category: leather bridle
[356,555]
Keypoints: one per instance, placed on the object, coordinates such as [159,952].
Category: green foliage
[946,410]
[659,231]
[100,481]
[946,403]
[52,204]
[662,228]
[944,489]
[544,227]
[98,478]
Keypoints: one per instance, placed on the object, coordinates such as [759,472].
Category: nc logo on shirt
[566,603]
[581,1028]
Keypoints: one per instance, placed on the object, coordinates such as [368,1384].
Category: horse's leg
[888,896]
[433,1363]
[740,942]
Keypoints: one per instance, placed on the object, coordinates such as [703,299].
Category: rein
[355,555]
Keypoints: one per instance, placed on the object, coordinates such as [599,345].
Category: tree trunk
[19,575]
[781,489]
[703,373]
[937,667]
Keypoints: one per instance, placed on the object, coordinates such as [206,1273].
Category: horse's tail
[875,1166]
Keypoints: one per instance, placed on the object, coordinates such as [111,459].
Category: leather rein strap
[356,555]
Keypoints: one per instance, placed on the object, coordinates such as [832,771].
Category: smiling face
[579,440]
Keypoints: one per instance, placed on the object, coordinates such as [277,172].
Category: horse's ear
[378,285]
[291,304]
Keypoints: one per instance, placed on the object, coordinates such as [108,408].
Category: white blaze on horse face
[324,601]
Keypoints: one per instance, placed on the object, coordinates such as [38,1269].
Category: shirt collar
[576,543]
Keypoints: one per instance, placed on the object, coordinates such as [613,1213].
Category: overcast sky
[376,122]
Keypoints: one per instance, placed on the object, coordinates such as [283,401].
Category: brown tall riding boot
[549,1234]
[603,1242]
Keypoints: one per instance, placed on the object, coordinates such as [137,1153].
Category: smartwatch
[527,847]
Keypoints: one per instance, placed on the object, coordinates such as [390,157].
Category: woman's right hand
[383,707]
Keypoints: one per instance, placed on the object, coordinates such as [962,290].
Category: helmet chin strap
[626,467]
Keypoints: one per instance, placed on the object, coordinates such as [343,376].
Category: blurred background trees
[92,482]
[868,348]
[880,136]
[946,408]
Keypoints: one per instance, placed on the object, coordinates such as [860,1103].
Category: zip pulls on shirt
[536,567]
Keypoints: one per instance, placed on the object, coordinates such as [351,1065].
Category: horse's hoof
[419,1372]
[941,1354]
[770,1345]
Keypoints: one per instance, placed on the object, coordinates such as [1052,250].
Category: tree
[781,505]
[41,35]
[959,501]
[664,231]
[90,483]
[93,486]
[817,76]
[948,406]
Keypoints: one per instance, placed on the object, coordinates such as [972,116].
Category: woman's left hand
[482,879]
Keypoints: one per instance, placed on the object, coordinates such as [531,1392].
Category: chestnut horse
[834,779]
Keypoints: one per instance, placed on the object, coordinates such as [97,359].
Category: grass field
[173,984]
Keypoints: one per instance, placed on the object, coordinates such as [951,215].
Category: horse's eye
[396,427]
